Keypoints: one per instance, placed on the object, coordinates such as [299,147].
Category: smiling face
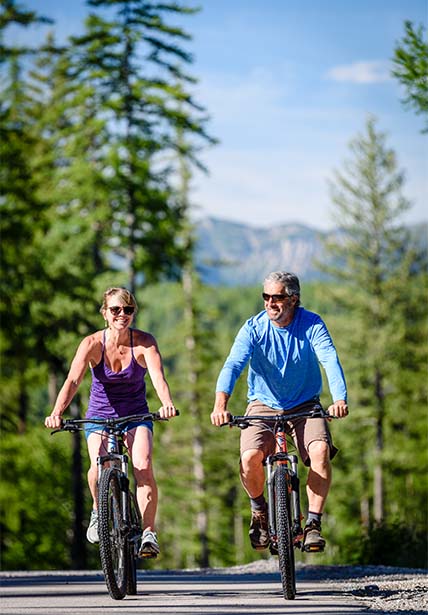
[119,310]
[278,305]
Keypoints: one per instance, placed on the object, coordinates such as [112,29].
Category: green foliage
[35,501]
[83,192]
[395,544]
[175,446]
[411,68]
[386,544]
[379,324]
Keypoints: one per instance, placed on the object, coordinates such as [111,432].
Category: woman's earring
[105,324]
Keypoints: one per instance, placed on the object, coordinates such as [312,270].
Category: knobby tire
[284,534]
[114,547]
[132,546]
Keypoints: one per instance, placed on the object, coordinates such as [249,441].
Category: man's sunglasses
[127,309]
[274,298]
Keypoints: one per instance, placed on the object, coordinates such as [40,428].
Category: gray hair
[290,282]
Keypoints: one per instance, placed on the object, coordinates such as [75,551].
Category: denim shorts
[96,428]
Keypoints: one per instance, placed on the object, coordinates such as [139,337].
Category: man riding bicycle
[284,345]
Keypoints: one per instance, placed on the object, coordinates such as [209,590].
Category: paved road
[171,593]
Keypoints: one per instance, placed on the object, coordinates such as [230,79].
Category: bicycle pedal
[148,555]
[313,548]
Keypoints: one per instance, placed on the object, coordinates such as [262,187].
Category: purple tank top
[117,394]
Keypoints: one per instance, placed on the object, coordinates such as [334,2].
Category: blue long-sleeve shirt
[284,361]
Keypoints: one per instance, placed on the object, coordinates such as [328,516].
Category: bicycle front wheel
[113,540]
[132,544]
[284,533]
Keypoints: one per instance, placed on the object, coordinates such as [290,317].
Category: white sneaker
[92,532]
[149,545]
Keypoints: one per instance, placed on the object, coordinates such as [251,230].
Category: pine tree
[21,213]
[381,277]
[411,68]
[131,59]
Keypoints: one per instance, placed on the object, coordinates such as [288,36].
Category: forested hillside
[237,254]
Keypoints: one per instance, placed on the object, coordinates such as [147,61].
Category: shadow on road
[254,589]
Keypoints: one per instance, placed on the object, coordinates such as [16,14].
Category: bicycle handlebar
[77,424]
[244,421]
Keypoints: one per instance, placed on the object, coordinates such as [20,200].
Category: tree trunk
[52,387]
[364,498]
[378,487]
[22,408]
[78,546]
[197,438]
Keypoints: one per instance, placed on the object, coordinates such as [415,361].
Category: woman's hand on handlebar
[338,409]
[53,421]
[167,411]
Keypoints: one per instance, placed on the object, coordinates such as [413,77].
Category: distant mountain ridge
[232,253]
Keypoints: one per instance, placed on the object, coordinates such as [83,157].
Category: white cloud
[376,71]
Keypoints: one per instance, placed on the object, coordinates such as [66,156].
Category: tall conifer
[382,276]
[131,58]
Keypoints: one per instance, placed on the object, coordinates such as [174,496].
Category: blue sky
[288,84]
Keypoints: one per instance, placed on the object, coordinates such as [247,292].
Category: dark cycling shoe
[273,548]
[313,542]
[259,534]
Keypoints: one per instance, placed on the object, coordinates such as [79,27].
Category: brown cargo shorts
[302,430]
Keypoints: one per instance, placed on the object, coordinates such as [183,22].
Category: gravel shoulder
[382,589]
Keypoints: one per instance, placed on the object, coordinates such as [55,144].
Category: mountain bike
[119,518]
[283,492]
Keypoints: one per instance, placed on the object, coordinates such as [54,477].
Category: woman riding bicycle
[119,357]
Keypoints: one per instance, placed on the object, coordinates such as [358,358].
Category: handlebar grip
[236,422]
[66,425]
[157,417]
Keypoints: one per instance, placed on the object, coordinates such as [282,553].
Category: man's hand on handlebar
[220,416]
[338,409]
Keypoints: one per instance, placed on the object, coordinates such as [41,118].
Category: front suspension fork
[119,461]
[295,498]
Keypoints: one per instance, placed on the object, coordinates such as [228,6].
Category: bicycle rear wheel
[113,541]
[284,534]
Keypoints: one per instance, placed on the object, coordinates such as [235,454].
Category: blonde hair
[121,293]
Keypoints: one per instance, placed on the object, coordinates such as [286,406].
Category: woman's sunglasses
[127,309]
